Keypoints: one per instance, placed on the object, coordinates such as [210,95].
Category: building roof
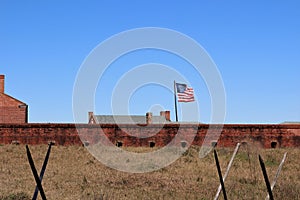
[127,119]
[7,100]
[290,122]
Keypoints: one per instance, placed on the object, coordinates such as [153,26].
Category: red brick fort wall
[282,135]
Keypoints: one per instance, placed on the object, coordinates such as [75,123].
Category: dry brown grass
[72,173]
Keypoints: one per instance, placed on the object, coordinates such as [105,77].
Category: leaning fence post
[277,174]
[220,174]
[34,172]
[36,191]
[264,171]
[227,170]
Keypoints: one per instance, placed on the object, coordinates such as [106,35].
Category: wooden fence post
[220,174]
[43,171]
[264,171]
[227,170]
[34,172]
[277,174]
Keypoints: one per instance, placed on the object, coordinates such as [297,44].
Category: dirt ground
[73,173]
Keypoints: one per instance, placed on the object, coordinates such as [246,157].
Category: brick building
[11,110]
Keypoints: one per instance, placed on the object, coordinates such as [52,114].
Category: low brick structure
[11,109]
[264,135]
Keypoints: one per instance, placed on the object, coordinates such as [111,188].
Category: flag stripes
[184,93]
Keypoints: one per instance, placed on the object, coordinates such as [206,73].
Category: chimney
[2,77]
[91,118]
[149,117]
[166,114]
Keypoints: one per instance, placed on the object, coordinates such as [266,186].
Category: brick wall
[13,114]
[11,109]
[285,135]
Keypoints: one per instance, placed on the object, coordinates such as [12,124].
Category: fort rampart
[264,135]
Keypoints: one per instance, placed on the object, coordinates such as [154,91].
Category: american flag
[184,93]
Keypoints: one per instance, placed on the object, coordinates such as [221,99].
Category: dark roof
[126,119]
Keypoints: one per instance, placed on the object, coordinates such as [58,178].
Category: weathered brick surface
[12,110]
[284,135]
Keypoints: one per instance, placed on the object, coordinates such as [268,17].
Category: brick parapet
[282,135]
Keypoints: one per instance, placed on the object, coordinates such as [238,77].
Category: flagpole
[175,98]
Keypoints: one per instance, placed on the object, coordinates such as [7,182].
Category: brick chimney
[149,117]
[91,118]
[2,77]
[166,114]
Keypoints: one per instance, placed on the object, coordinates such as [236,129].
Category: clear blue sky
[255,44]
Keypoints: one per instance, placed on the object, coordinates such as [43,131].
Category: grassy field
[72,173]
